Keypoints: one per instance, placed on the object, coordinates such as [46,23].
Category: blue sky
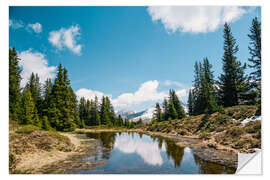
[133,54]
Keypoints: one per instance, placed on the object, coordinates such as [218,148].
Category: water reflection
[140,153]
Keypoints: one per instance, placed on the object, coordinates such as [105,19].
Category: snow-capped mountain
[125,113]
[146,115]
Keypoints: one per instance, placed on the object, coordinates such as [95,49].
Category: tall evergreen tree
[105,113]
[95,112]
[35,87]
[15,98]
[190,103]
[165,110]
[47,88]
[255,59]
[232,81]
[172,114]
[158,113]
[29,113]
[209,97]
[177,105]
[60,109]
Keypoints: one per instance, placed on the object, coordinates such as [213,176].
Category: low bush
[27,129]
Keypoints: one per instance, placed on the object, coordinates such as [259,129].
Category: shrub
[204,135]
[235,132]
[253,127]
[222,119]
[27,129]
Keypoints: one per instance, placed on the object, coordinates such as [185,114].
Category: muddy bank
[58,162]
[205,150]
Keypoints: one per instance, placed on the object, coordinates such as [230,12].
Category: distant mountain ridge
[145,115]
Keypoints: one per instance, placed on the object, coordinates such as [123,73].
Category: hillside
[30,148]
[236,127]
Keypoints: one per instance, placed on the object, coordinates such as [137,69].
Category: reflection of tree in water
[212,168]
[173,151]
[107,139]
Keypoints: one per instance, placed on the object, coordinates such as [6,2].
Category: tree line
[171,109]
[54,105]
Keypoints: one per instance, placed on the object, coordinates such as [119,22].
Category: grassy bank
[219,130]
[31,148]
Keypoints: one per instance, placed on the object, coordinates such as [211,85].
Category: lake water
[133,153]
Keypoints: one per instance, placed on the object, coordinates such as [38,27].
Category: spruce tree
[158,113]
[232,81]
[60,110]
[255,58]
[104,113]
[165,110]
[177,105]
[208,90]
[190,103]
[47,88]
[35,87]
[172,114]
[29,112]
[95,112]
[15,98]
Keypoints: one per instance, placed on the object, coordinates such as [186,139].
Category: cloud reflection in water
[148,151]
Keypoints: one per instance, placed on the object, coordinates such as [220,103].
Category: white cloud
[181,93]
[147,92]
[16,24]
[37,27]
[90,94]
[66,38]
[37,63]
[169,83]
[194,19]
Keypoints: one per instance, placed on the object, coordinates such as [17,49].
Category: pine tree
[158,113]
[60,110]
[177,105]
[172,114]
[15,98]
[255,59]
[47,88]
[35,87]
[45,123]
[208,89]
[95,112]
[190,103]
[232,81]
[29,113]
[104,113]
[197,91]
[166,110]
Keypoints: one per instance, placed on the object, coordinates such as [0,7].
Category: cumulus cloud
[149,152]
[37,27]
[15,24]
[90,94]
[66,38]
[194,19]
[181,93]
[169,83]
[147,92]
[37,63]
